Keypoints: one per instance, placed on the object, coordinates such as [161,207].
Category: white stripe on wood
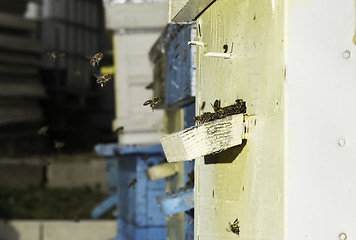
[201,140]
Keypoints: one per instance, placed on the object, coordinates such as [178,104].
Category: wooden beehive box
[295,171]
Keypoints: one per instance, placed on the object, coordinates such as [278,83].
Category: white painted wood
[321,149]
[136,15]
[161,171]
[133,73]
[208,138]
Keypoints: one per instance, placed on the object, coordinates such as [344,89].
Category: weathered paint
[173,122]
[247,181]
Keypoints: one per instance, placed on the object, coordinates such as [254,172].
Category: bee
[119,130]
[152,102]
[95,60]
[217,105]
[202,106]
[103,79]
[58,145]
[205,117]
[77,73]
[132,183]
[149,86]
[190,181]
[55,55]
[43,131]
[234,227]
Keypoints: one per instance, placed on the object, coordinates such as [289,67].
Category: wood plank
[188,10]
[19,58]
[180,201]
[201,140]
[161,171]
[20,44]
[16,22]
[136,15]
[23,89]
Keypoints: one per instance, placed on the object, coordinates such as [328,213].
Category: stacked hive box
[174,78]
[20,88]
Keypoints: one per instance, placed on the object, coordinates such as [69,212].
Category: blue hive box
[180,68]
[138,214]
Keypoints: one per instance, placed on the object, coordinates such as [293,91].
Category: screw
[342,236]
[342,142]
[347,54]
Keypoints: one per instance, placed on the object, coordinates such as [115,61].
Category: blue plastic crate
[137,209]
[138,214]
[180,69]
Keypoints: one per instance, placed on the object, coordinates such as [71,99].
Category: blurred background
[62,108]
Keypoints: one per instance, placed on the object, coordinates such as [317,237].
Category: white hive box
[136,28]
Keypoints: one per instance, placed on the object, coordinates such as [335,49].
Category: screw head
[341,142]
[346,54]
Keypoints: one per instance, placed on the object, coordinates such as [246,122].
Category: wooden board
[161,171]
[205,139]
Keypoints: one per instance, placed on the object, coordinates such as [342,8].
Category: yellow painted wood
[174,122]
[107,70]
[247,181]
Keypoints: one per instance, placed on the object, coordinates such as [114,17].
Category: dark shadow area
[37,202]
[227,156]
[8,232]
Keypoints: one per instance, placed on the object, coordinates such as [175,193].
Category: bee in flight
[43,131]
[58,145]
[118,130]
[55,55]
[103,79]
[132,183]
[95,60]
[152,102]
[77,73]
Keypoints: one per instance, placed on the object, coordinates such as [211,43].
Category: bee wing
[96,75]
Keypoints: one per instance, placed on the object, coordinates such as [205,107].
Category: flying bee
[234,227]
[58,145]
[152,102]
[119,130]
[77,73]
[132,183]
[103,79]
[43,131]
[55,55]
[95,60]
